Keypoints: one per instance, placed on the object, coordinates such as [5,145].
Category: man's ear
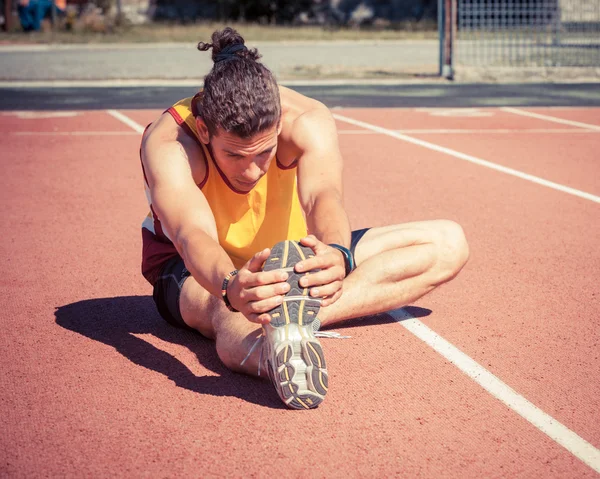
[279,127]
[202,131]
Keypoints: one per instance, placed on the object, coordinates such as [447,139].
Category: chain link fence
[527,33]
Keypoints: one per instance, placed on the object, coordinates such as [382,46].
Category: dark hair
[240,94]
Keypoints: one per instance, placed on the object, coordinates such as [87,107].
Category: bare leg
[234,334]
[397,265]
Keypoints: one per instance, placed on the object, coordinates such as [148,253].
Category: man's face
[244,161]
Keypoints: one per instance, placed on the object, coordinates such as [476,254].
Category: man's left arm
[320,191]
[320,167]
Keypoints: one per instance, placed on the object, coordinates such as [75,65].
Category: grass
[159,32]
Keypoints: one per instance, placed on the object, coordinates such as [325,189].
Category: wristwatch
[348,257]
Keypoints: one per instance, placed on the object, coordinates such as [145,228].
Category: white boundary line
[125,119]
[561,434]
[482,131]
[575,444]
[340,132]
[72,133]
[554,119]
[471,159]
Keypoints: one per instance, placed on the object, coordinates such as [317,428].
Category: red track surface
[94,383]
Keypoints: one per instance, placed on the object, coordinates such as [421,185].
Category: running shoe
[294,357]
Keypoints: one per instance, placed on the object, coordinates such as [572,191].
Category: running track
[493,375]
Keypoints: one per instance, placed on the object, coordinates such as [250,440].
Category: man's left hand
[326,283]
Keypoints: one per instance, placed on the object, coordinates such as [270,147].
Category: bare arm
[187,219]
[181,206]
[320,191]
[320,177]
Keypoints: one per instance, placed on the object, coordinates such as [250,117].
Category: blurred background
[385,40]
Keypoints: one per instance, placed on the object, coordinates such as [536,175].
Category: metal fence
[522,33]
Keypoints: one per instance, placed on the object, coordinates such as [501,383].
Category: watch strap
[348,257]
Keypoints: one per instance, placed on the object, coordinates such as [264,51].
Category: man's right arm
[184,213]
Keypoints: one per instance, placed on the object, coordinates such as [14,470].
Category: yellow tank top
[247,222]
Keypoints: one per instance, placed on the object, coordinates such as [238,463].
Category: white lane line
[574,107]
[72,133]
[471,159]
[455,131]
[558,432]
[38,115]
[125,119]
[554,119]
[341,132]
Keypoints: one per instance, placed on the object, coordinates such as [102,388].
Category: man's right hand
[253,291]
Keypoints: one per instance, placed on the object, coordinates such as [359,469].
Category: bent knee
[452,249]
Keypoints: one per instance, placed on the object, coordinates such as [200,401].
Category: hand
[253,292]
[326,283]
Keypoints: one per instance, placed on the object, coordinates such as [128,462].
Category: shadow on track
[114,321]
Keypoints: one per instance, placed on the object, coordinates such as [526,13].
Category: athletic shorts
[167,289]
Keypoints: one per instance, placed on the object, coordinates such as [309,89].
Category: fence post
[441,32]
[449,38]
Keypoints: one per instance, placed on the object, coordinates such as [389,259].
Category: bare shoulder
[168,149]
[294,102]
[295,105]
[306,122]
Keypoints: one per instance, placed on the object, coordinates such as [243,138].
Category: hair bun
[227,44]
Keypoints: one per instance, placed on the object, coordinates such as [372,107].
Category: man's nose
[253,172]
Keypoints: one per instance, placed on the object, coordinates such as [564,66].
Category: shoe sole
[295,360]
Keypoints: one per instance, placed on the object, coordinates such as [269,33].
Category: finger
[259,318]
[325,291]
[250,280]
[260,293]
[310,241]
[325,276]
[270,277]
[315,262]
[320,261]
[255,263]
[264,318]
[265,305]
[315,244]
[329,301]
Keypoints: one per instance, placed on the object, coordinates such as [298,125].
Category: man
[233,175]
[32,12]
